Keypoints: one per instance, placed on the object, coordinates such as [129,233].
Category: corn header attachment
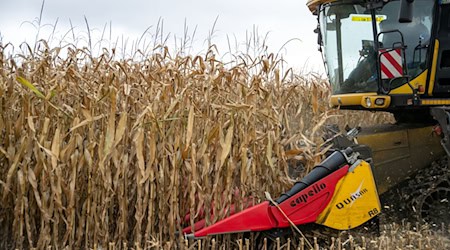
[339,193]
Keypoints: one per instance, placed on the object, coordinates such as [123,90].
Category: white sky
[281,21]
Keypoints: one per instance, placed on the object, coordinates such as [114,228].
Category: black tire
[424,198]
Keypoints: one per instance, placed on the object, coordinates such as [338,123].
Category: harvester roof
[312,4]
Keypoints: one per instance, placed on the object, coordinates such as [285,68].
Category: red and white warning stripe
[391,63]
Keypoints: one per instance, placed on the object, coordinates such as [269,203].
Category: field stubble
[99,152]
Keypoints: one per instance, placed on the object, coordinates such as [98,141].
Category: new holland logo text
[303,198]
[352,198]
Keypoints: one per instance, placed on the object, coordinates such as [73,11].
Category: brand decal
[352,198]
[303,198]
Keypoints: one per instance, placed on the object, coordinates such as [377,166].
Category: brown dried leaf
[120,130]
[314,101]
[190,126]
[226,145]
[139,145]
[110,129]
[269,149]
[55,148]
[31,123]
[12,169]
[33,182]
[86,122]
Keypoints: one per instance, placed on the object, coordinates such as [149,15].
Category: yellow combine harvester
[380,55]
[395,56]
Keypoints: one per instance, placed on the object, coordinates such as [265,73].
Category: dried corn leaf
[139,145]
[31,124]
[121,127]
[86,122]
[190,126]
[269,150]
[109,136]
[55,148]
[226,145]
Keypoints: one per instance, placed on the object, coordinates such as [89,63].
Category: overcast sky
[126,21]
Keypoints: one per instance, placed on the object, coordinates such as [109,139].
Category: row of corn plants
[95,150]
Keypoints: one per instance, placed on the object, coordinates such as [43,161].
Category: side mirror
[406,11]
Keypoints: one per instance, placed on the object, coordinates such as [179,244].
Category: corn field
[98,152]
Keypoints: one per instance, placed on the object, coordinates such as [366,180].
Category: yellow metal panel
[349,99]
[360,99]
[433,67]
[435,102]
[355,200]
[398,151]
[405,89]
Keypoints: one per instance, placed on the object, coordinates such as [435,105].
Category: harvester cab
[386,55]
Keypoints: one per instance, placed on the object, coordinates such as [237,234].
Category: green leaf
[27,84]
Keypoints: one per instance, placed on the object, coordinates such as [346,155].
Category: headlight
[368,102]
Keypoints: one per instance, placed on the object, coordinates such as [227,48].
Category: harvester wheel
[424,198]
[435,206]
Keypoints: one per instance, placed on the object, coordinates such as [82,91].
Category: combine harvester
[380,55]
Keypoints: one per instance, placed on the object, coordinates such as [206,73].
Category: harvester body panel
[355,200]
